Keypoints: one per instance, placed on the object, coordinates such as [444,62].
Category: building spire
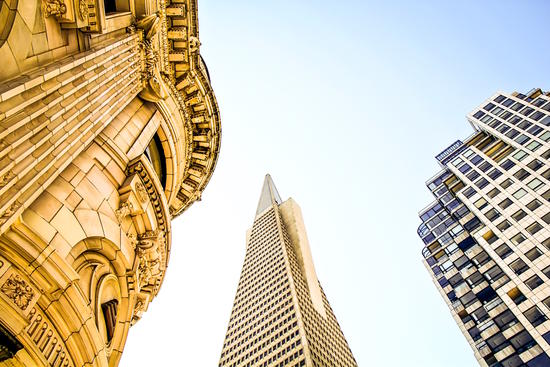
[269,195]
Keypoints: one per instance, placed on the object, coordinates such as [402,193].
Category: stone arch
[102,270]
[8,7]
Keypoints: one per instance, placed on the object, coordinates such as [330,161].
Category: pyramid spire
[269,196]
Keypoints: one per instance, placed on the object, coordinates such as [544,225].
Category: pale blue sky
[345,103]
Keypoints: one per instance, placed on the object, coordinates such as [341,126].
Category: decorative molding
[48,340]
[18,290]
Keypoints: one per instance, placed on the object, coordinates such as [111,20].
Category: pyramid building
[281,316]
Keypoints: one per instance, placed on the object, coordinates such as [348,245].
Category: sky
[345,104]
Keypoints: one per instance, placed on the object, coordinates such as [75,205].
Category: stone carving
[9,212]
[18,291]
[153,88]
[194,44]
[54,7]
[150,253]
[123,211]
[83,9]
[5,178]
[141,192]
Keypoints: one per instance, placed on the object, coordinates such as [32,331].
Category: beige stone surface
[75,120]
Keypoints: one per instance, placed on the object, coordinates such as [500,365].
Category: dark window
[503,251]
[155,154]
[534,205]
[481,183]
[479,114]
[519,215]
[506,183]
[535,316]
[534,282]
[492,214]
[507,164]
[519,266]
[521,174]
[109,313]
[504,225]
[485,166]
[535,164]
[489,107]
[505,203]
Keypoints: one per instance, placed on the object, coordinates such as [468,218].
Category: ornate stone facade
[109,129]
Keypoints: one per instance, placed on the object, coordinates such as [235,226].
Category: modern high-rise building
[281,316]
[487,234]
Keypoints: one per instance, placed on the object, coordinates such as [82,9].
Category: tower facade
[487,233]
[281,316]
[109,129]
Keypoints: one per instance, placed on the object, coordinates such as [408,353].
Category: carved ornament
[54,7]
[18,291]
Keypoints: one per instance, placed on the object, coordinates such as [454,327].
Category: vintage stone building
[108,129]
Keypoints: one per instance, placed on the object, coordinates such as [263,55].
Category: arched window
[155,153]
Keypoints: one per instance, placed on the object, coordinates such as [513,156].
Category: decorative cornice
[186,77]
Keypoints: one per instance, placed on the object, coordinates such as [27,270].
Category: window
[534,145]
[465,168]
[494,192]
[546,154]
[114,6]
[533,282]
[545,136]
[517,239]
[507,164]
[546,271]
[522,139]
[546,174]
[535,316]
[534,130]
[492,214]
[519,155]
[521,174]
[481,183]
[504,225]
[519,266]
[546,218]
[516,295]
[469,192]
[505,203]
[476,159]
[506,183]
[494,174]
[155,153]
[472,175]
[490,237]
[535,184]
[503,251]
[533,205]
[534,228]
[481,203]
[490,106]
[485,166]
[519,215]
[109,313]
[533,254]
[546,243]
[520,193]
[535,164]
